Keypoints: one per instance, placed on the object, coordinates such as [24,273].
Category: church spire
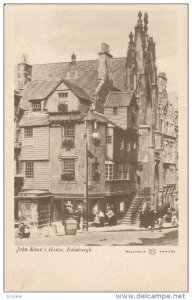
[146,22]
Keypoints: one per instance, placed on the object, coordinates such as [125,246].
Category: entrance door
[57,215]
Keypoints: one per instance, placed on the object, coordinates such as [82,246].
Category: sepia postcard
[96,148]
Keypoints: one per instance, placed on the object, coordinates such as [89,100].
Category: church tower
[141,77]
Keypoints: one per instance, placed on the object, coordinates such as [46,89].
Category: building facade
[106,125]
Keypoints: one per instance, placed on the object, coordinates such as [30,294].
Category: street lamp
[96,141]
[86,204]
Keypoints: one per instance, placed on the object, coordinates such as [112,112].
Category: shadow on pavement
[168,239]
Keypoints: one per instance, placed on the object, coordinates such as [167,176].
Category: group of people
[150,217]
[100,217]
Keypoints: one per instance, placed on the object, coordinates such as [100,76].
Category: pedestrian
[111,217]
[21,230]
[79,217]
[65,213]
[174,220]
[96,220]
[101,218]
[160,220]
[26,232]
[152,218]
[141,218]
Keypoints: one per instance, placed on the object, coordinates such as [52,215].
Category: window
[127,171]
[28,132]
[36,106]
[115,110]
[109,171]
[29,169]
[63,102]
[128,147]
[120,172]
[68,168]
[122,206]
[69,132]
[121,143]
[126,175]
[134,145]
[63,96]
[108,139]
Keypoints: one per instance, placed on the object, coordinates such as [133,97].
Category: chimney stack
[104,62]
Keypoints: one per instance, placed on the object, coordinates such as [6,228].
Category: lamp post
[86,204]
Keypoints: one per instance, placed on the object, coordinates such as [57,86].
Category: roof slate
[119,99]
[34,119]
[87,73]
[95,116]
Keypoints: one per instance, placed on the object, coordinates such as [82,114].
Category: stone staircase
[132,215]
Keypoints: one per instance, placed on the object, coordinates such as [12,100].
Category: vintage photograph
[96,127]
[95,148]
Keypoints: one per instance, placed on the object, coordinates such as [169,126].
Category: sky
[49,34]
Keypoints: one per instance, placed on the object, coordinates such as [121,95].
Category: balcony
[118,187]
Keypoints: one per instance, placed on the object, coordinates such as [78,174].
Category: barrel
[70,227]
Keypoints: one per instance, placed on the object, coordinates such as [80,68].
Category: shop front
[34,208]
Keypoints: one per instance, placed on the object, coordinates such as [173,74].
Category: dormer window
[36,106]
[63,102]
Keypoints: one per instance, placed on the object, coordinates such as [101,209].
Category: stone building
[122,106]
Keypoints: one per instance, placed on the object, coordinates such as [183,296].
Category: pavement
[57,229]
[125,227]
[118,227]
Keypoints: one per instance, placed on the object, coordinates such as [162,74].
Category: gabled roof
[95,116]
[117,99]
[39,90]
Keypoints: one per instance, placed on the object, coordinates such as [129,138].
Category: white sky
[51,33]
